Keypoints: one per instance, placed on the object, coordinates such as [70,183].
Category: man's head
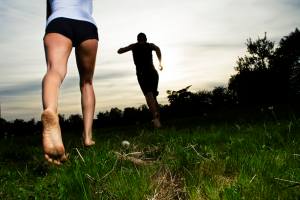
[141,37]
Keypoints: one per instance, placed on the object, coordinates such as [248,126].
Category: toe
[56,162]
[63,159]
[49,160]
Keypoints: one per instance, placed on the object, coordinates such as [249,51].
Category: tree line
[266,76]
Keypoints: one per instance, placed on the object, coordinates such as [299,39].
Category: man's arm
[48,10]
[158,54]
[125,49]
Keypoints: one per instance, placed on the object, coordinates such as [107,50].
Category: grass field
[240,154]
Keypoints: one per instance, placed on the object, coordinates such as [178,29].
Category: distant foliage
[268,75]
[117,117]
[74,122]
[177,98]
[287,61]
[2,125]
[18,127]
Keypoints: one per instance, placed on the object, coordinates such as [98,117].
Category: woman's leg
[86,59]
[57,50]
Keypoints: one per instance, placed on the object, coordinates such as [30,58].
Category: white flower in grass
[271,108]
[125,144]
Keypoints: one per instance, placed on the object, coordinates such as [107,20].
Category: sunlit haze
[200,42]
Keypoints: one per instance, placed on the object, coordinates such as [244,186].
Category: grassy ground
[229,155]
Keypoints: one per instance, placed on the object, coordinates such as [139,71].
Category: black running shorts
[148,82]
[77,31]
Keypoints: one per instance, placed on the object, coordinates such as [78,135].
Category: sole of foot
[52,142]
[88,140]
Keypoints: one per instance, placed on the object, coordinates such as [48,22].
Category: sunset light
[200,42]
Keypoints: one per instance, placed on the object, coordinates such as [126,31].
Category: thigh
[145,83]
[57,50]
[154,83]
[86,54]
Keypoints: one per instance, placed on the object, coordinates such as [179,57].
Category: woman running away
[69,24]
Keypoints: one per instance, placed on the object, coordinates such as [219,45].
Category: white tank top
[72,9]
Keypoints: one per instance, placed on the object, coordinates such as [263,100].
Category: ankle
[85,134]
[53,111]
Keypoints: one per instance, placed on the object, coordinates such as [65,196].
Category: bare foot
[52,143]
[88,139]
[157,121]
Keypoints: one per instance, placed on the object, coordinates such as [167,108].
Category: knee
[60,73]
[86,83]
[149,95]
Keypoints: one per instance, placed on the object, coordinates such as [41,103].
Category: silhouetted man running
[146,73]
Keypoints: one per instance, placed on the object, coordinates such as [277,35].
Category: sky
[200,43]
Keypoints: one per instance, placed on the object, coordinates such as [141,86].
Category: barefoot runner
[146,73]
[69,24]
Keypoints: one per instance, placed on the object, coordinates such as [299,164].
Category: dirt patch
[166,185]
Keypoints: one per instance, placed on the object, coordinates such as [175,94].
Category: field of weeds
[243,154]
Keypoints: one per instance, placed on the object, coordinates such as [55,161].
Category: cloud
[21,89]
[36,86]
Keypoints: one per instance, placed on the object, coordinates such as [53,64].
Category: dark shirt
[142,57]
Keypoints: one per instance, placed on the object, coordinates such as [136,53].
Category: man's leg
[57,50]
[86,59]
[154,108]
[157,106]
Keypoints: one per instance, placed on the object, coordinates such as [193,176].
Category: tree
[115,116]
[268,76]
[61,118]
[203,97]
[18,127]
[287,62]
[31,126]
[255,83]
[130,116]
[145,116]
[75,121]
[180,97]
[219,96]
[2,126]
[103,119]
[261,52]
[63,122]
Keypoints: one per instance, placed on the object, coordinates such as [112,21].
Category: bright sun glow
[170,64]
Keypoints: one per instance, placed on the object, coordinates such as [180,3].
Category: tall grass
[218,156]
